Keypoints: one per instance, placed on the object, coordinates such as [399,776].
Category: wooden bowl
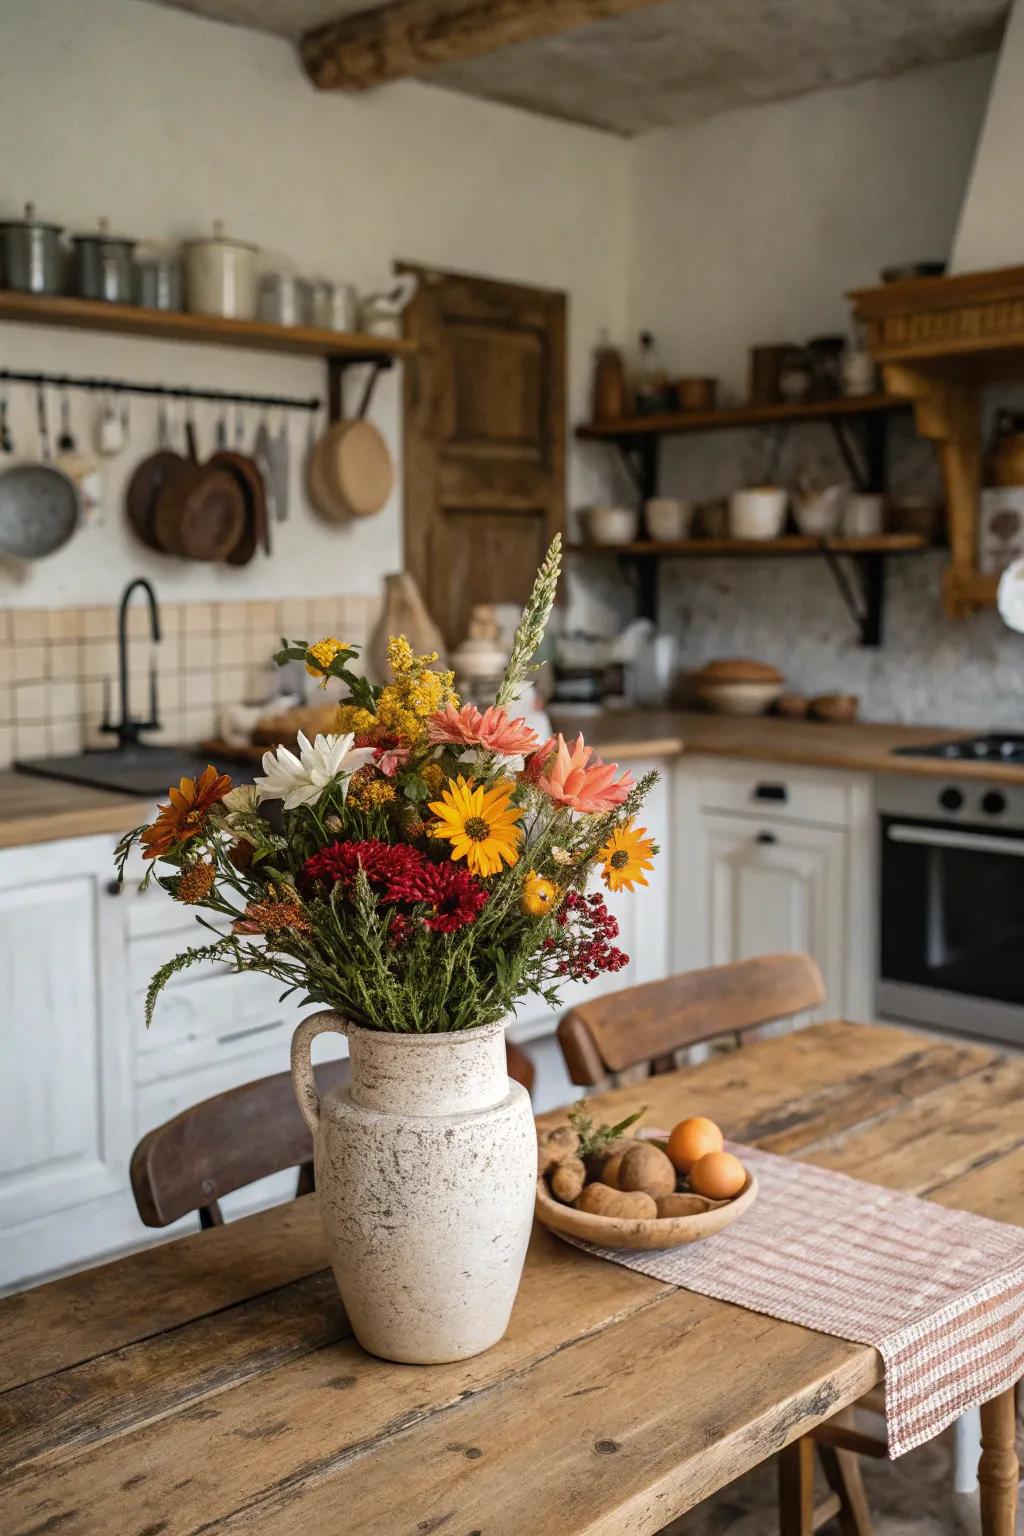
[837,708]
[664,1232]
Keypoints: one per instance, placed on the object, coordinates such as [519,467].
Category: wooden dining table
[211,1383]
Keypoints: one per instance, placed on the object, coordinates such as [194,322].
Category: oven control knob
[951,799]
[993,803]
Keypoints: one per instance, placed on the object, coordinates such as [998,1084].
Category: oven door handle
[969,842]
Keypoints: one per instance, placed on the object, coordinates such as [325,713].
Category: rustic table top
[211,1383]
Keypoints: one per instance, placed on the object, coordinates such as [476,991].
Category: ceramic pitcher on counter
[426,1164]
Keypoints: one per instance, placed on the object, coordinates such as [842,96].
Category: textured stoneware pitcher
[426,1163]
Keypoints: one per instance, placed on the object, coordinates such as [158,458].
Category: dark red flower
[454,896]
[381,863]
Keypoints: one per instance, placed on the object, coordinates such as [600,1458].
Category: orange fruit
[718,1175]
[691,1139]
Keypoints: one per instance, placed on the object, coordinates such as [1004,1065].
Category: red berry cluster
[585,945]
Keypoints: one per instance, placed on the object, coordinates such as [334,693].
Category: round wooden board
[666,1232]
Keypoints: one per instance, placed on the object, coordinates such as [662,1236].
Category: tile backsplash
[59,666]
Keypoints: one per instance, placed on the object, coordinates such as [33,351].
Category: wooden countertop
[862,748]
[34,810]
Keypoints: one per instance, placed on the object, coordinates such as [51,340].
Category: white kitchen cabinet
[769,859]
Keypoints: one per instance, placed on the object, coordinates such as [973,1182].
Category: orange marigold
[186,812]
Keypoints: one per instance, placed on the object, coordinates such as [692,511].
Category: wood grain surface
[212,1383]
[34,810]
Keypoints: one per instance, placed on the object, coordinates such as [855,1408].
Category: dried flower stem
[532,624]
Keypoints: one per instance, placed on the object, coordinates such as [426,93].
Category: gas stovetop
[993,748]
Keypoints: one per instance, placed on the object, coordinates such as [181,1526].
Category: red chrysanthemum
[381,863]
[454,896]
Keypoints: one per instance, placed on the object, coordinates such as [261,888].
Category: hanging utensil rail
[165,391]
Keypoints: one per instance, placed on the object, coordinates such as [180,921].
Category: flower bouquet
[419,872]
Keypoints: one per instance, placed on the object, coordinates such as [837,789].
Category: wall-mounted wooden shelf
[939,341]
[733,417]
[211,330]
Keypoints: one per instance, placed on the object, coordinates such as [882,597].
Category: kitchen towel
[939,1292]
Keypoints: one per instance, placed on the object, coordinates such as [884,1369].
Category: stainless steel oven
[951,940]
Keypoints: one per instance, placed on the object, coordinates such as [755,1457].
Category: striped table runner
[940,1293]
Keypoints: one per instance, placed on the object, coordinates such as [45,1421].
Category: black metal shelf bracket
[866,607]
[336,369]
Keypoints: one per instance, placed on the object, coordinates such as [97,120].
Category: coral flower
[492,730]
[568,776]
[625,856]
[186,813]
[479,823]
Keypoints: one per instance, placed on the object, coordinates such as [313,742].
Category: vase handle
[303,1080]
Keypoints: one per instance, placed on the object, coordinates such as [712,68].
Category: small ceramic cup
[863,515]
[667,518]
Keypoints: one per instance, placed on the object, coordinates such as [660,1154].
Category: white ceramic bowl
[738,698]
[668,518]
[612,525]
[758,512]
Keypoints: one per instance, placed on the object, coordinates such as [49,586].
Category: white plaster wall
[750,227]
[990,232]
[163,122]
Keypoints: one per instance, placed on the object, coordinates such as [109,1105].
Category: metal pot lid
[30,222]
[39,510]
[218,238]
[102,236]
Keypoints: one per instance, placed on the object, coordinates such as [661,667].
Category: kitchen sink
[130,770]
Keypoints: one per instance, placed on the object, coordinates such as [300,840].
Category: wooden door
[774,887]
[484,440]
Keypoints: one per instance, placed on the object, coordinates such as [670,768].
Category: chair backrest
[235,1138]
[645,1024]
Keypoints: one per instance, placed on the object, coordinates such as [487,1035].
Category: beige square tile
[64,624]
[99,623]
[29,663]
[65,736]
[28,624]
[325,613]
[94,699]
[197,652]
[261,615]
[139,619]
[64,701]
[30,701]
[64,659]
[197,723]
[98,659]
[5,625]
[171,619]
[30,741]
[170,689]
[294,619]
[231,616]
[199,618]
[6,662]
[199,689]
[6,746]
[232,648]
[230,685]
[6,703]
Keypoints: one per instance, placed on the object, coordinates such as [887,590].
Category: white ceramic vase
[426,1164]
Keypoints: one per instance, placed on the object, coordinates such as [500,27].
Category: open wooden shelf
[211,330]
[788,544]
[670,423]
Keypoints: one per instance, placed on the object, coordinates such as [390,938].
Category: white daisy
[303,779]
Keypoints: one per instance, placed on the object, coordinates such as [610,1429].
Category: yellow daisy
[479,823]
[625,856]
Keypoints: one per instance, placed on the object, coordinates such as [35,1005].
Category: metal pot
[103,266]
[284,299]
[31,256]
[220,276]
[158,280]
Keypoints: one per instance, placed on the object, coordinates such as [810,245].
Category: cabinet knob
[767,837]
[776,792]
[115,887]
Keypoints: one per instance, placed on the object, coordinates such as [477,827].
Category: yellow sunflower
[625,856]
[479,823]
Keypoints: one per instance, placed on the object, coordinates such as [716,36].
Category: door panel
[484,440]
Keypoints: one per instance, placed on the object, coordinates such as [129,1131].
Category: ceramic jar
[426,1166]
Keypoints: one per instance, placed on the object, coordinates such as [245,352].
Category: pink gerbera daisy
[570,777]
[492,730]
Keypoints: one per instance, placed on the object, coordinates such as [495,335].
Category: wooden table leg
[796,1488]
[998,1469]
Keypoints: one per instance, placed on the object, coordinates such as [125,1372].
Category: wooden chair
[639,1031]
[235,1138]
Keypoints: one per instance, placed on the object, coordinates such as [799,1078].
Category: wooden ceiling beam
[411,37]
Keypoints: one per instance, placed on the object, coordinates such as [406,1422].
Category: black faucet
[128,730]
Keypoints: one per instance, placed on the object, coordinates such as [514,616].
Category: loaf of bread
[738,669]
[310,719]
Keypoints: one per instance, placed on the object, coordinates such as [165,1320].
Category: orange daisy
[186,812]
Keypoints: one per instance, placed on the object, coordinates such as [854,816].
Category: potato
[608,1171]
[567,1180]
[644,1168]
[554,1147]
[684,1205]
[599,1200]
